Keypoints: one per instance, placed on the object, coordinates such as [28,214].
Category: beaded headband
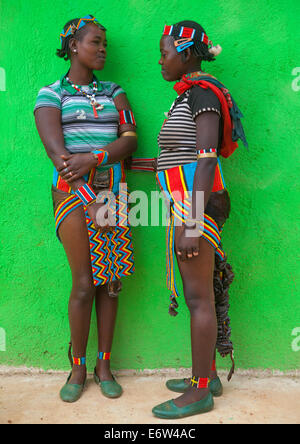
[73,28]
[187,37]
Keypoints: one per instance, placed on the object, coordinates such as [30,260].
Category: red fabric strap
[228,146]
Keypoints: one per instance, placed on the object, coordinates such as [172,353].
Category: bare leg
[74,236]
[106,309]
[197,277]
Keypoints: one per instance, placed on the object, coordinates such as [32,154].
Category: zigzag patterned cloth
[111,252]
[177,185]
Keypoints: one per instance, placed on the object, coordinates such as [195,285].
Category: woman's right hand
[75,166]
[98,212]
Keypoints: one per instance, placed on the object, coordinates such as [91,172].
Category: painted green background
[260,41]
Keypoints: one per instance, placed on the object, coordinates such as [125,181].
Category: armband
[126,116]
[86,195]
[211,152]
[101,156]
[128,133]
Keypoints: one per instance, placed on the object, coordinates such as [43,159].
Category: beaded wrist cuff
[86,194]
[211,152]
[101,156]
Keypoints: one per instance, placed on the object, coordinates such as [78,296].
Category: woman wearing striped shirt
[197,130]
[88,129]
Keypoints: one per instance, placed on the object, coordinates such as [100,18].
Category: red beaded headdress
[187,36]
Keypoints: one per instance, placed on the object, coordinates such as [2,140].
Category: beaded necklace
[96,106]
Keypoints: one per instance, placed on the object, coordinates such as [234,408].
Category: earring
[74,50]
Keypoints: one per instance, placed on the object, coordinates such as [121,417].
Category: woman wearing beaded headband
[202,123]
[88,129]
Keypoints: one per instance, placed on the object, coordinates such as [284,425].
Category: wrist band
[126,116]
[211,152]
[128,133]
[101,156]
[86,194]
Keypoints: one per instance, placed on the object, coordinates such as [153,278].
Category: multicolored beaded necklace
[96,106]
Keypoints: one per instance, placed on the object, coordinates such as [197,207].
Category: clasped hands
[74,167]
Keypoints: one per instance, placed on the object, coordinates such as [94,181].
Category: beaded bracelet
[202,154]
[101,156]
[86,195]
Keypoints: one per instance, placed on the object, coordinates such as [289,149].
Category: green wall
[260,43]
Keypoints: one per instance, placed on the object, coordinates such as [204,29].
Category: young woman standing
[202,123]
[88,129]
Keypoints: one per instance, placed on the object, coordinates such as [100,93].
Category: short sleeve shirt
[82,131]
[178,136]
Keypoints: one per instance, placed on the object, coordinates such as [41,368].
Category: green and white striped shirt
[83,133]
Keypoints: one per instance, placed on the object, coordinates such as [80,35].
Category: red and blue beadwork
[102,157]
[79,361]
[104,356]
[199,382]
[207,151]
[86,194]
[186,35]
[126,116]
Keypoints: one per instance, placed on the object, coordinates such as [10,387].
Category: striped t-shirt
[83,133]
[178,136]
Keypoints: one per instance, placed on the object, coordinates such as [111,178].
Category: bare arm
[48,123]
[207,137]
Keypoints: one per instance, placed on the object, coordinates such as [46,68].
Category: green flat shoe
[180,386]
[168,410]
[110,389]
[215,387]
[71,392]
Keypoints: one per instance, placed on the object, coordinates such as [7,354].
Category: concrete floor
[32,398]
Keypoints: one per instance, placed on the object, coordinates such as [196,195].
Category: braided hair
[78,34]
[199,49]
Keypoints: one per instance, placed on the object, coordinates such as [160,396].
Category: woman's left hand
[188,245]
[76,165]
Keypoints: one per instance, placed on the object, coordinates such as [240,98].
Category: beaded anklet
[104,356]
[199,382]
[79,361]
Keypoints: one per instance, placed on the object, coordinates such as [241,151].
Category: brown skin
[87,55]
[195,256]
